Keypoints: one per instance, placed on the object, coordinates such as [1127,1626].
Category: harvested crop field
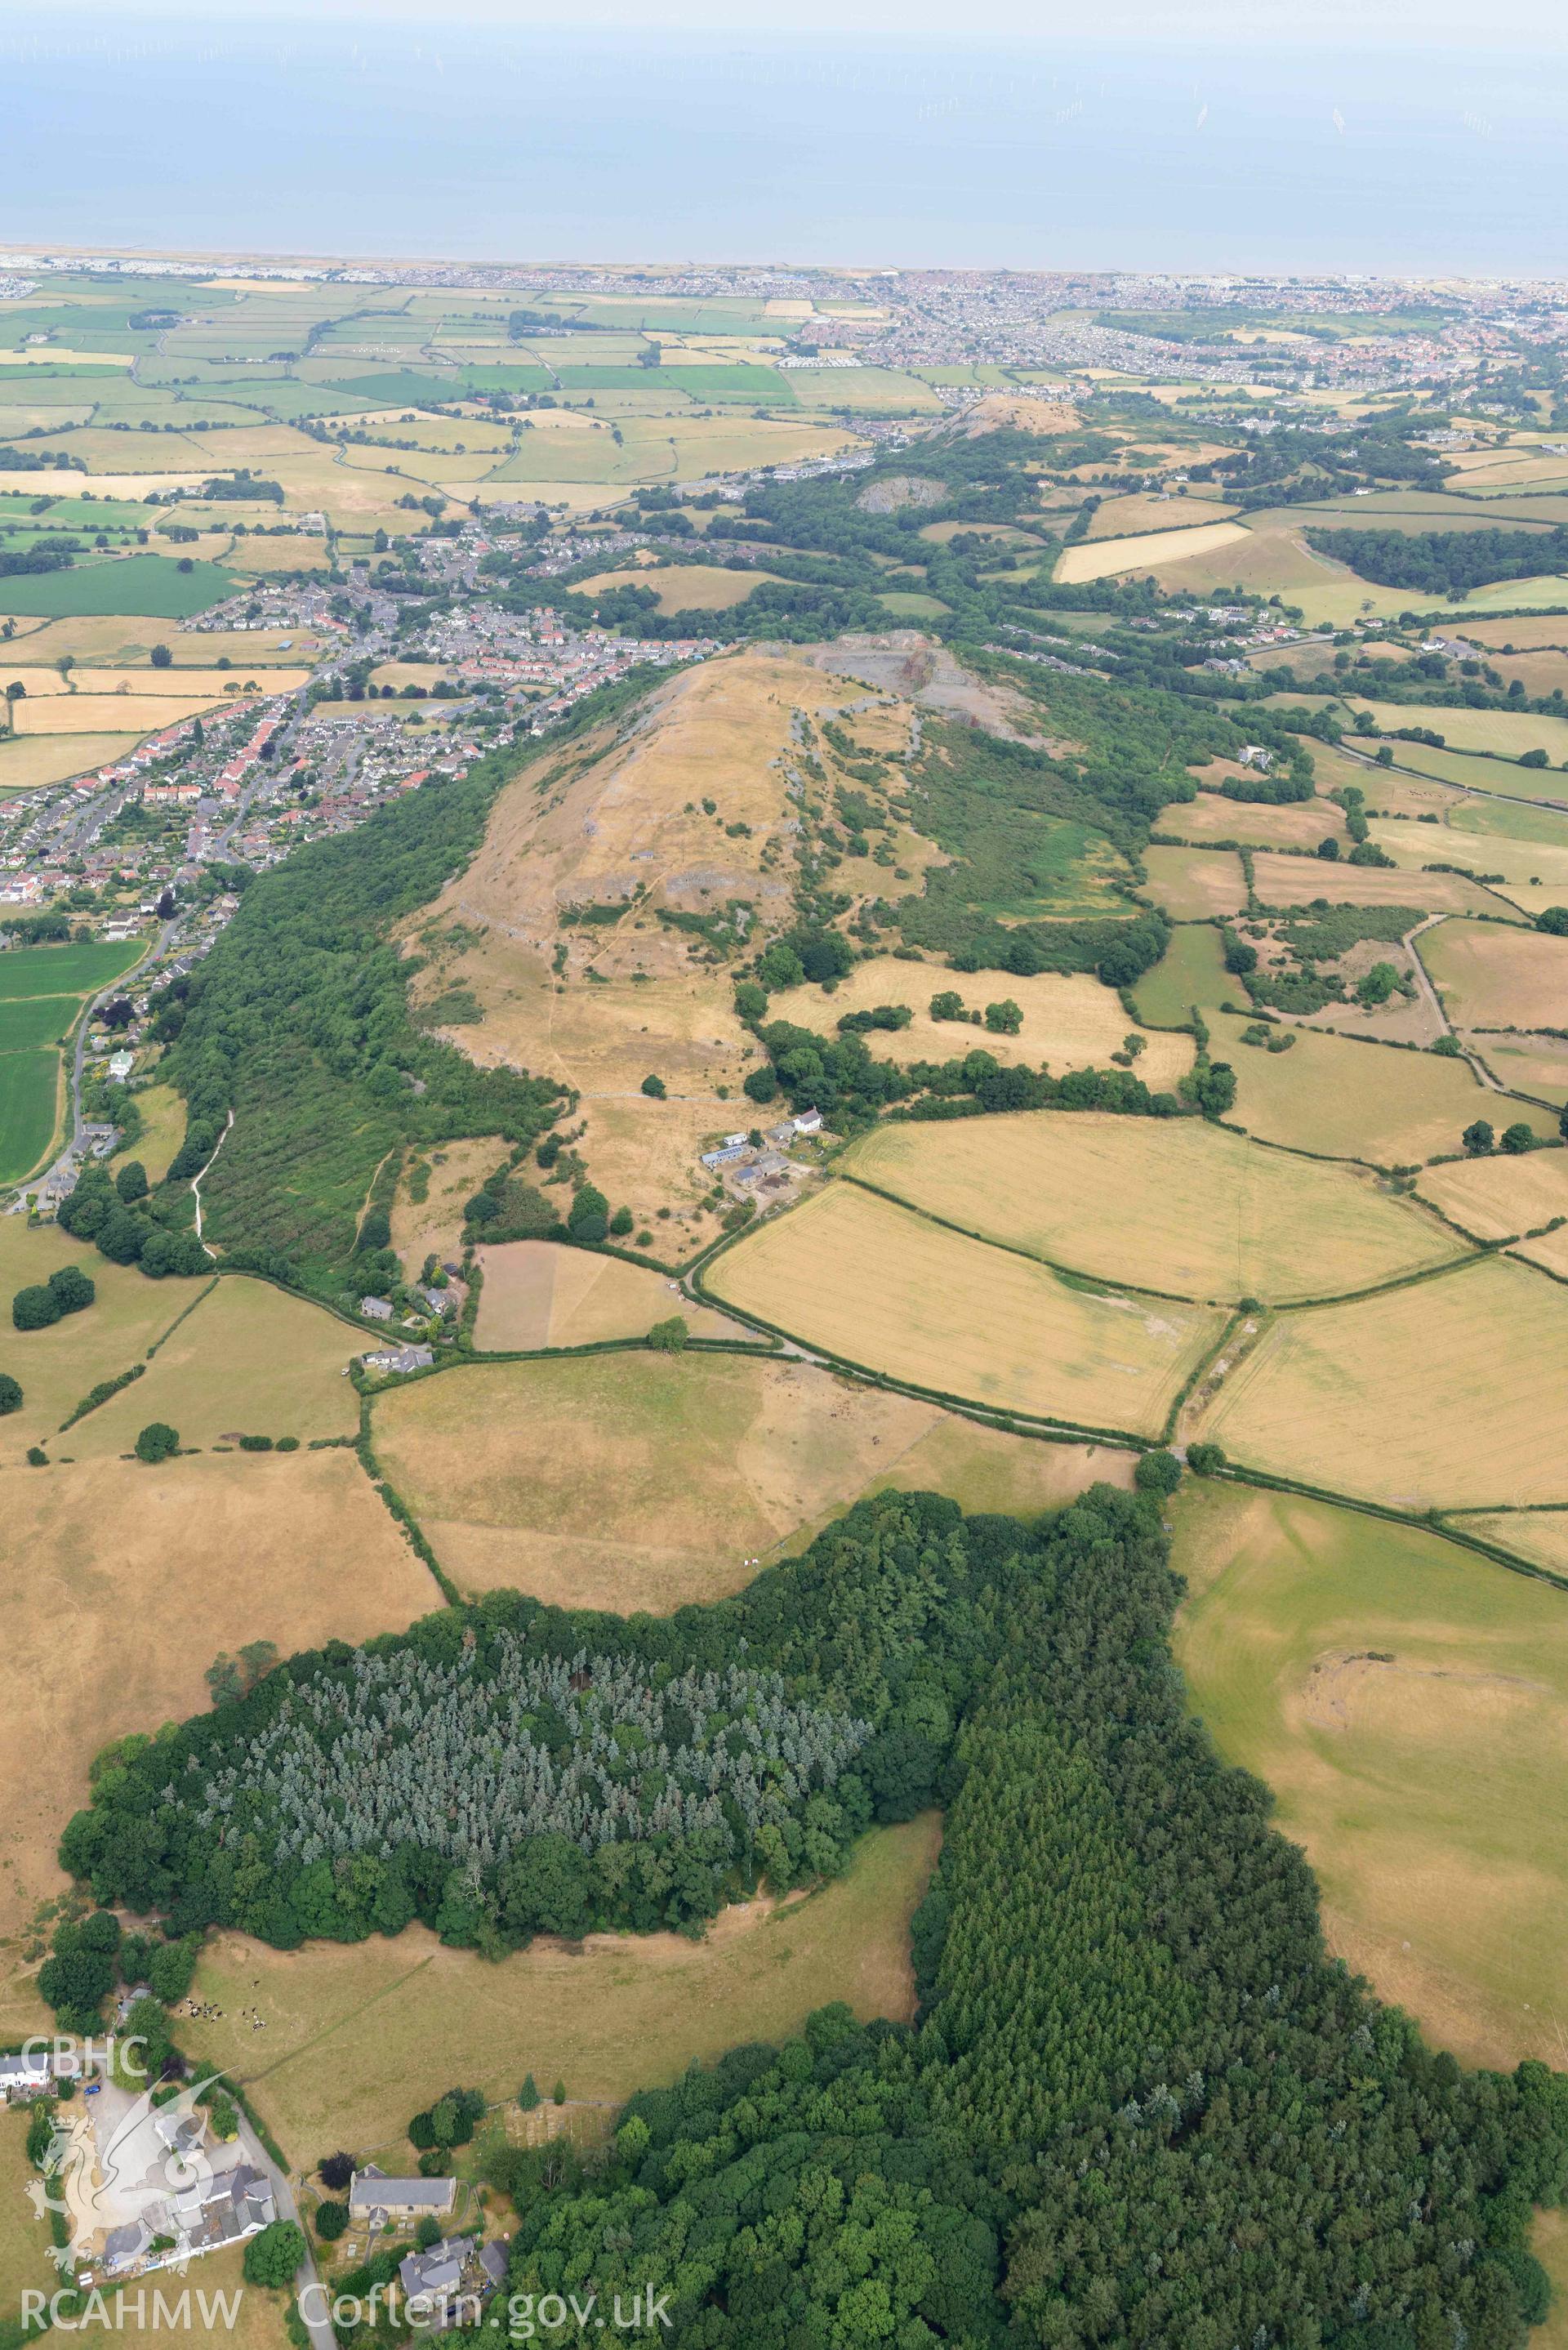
[1497,1198]
[1194,885]
[1427,1395]
[1492,977]
[1070,1021]
[1175,1205]
[632,1480]
[27,761]
[398,2021]
[1407,1703]
[1354,1100]
[1540,1535]
[96,713]
[543,1293]
[1300,824]
[1294,882]
[126,1582]
[685,586]
[887,1290]
[1108,559]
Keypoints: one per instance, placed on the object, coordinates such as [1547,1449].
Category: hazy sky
[1518,28]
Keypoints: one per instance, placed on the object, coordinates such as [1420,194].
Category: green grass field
[64,969]
[1407,1702]
[36,1013]
[27,1022]
[1193,971]
[153,585]
[28,1098]
[1354,1100]
[1471,771]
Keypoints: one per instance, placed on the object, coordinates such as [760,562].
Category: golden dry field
[1194,885]
[1140,511]
[1497,1199]
[632,1480]
[1175,1205]
[1300,824]
[1294,882]
[126,1582]
[1070,1021]
[1538,1536]
[1492,977]
[887,1290]
[28,760]
[684,586]
[544,1294]
[1507,733]
[359,2038]
[1422,1397]
[1109,558]
[102,713]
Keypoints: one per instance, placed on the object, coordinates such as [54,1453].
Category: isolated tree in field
[1477,1140]
[157,1441]
[528,2095]
[35,1307]
[654,1087]
[272,2257]
[131,1181]
[160,656]
[1004,1019]
[1157,1472]
[1517,1138]
[72,1290]
[10,1395]
[588,1217]
[947,1005]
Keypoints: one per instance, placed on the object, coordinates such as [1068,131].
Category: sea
[479,144]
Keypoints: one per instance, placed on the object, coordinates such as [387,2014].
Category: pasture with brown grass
[1407,1703]
[126,1583]
[357,2039]
[633,1481]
